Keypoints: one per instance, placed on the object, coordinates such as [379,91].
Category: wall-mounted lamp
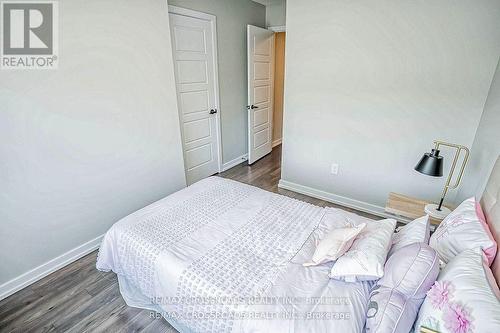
[431,164]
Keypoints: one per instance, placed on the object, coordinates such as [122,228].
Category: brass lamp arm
[459,149]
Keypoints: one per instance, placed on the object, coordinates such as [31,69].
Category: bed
[232,255]
[222,256]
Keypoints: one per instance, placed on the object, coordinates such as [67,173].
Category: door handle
[213,111]
[252,107]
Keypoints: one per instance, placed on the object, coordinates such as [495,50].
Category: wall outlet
[334,169]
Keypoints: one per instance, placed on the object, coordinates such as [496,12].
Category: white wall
[486,147]
[232,19]
[370,85]
[87,144]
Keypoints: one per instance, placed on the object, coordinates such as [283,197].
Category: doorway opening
[279,86]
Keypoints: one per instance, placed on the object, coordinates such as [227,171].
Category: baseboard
[24,280]
[235,162]
[276,142]
[338,199]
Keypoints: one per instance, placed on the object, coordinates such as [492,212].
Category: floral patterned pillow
[463,299]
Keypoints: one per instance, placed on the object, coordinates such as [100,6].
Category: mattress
[222,256]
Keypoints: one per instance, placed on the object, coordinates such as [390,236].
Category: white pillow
[365,259]
[465,297]
[335,244]
[417,231]
[465,228]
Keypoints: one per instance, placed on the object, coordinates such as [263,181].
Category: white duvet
[222,256]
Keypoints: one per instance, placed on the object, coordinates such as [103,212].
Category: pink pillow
[490,252]
[465,228]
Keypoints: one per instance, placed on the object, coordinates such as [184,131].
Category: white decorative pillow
[335,244]
[465,298]
[417,231]
[465,228]
[365,259]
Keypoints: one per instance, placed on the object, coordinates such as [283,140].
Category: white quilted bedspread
[203,255]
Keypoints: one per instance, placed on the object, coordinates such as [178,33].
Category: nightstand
[405,206]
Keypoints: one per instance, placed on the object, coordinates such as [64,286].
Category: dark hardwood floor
[79,298]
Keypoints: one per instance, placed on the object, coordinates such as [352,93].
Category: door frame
[213,21]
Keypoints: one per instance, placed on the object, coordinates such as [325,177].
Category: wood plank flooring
[79,298]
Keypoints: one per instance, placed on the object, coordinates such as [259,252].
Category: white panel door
[195,76]
[260,91]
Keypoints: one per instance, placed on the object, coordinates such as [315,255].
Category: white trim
[280,28]
[235,162]
[276,142]
[37,273]
[339,200]
[213,21]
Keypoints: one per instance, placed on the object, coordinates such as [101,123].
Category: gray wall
[486,147]
[232,19]
[370,85]
[87,144]
[276,13]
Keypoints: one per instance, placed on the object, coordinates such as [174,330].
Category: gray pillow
[396,298]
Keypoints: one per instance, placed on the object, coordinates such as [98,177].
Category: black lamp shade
[431,164]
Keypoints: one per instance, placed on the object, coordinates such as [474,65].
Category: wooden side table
[403,205]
